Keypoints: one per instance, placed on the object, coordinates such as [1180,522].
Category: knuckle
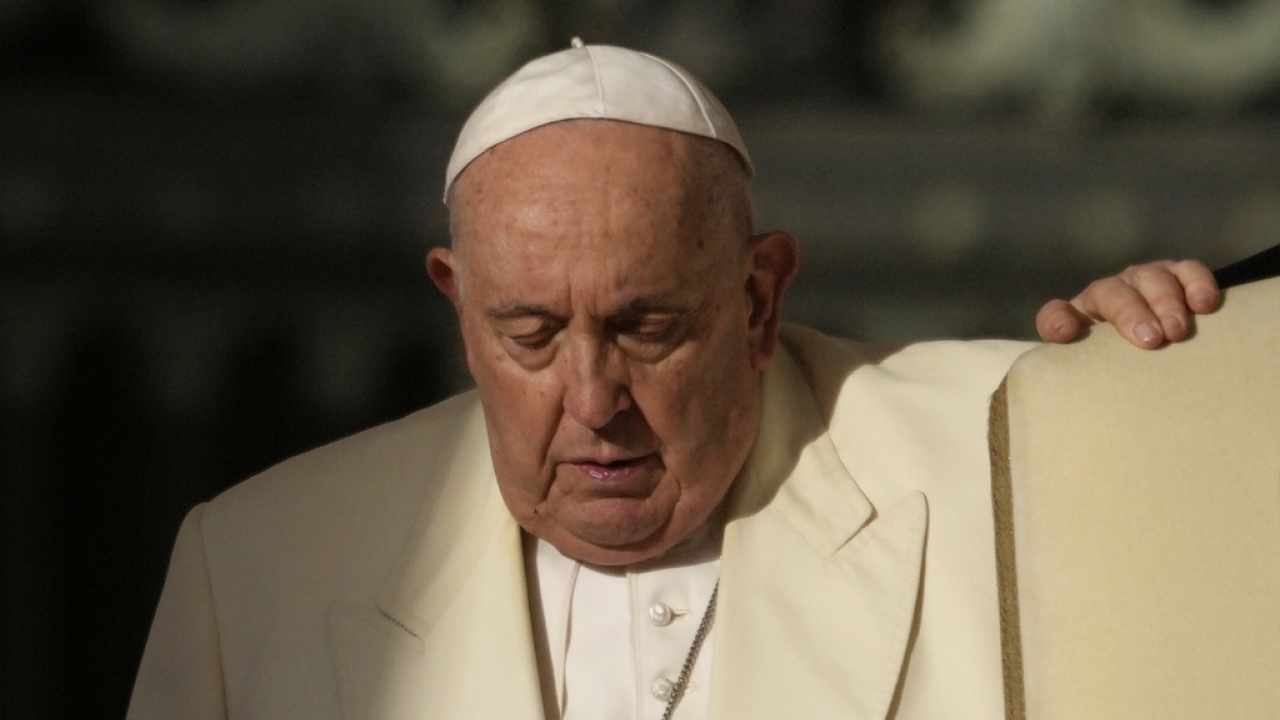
[1150,273]
[1195,270]
[1100,286]
[1169,307]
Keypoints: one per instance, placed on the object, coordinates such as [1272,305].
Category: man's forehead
[676,301]
[569,284]
[623,236]
[544,240]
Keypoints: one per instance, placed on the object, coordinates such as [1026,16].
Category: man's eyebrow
[509,312]
[657,304]
[635,305]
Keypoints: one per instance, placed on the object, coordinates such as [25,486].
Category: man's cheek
[530,408]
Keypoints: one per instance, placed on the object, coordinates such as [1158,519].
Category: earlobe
[774,259]
[441,268]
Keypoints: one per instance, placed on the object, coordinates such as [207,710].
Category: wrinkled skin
[615,331]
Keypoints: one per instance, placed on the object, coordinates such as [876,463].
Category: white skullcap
[593,81]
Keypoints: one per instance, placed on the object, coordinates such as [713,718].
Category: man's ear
[444,269]
[441,267]
[773,258]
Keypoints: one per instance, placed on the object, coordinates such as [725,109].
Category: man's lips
[616,474]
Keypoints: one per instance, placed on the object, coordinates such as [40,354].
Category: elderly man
[659,502]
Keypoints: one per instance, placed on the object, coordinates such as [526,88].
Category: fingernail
[1147,333]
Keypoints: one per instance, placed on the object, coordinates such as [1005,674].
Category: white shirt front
[615,638]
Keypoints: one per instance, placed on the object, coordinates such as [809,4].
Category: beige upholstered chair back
[1138,523]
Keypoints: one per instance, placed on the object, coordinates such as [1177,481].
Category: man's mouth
[613,473]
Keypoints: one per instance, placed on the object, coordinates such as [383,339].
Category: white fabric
[383,577]
[605,649]
[593,81]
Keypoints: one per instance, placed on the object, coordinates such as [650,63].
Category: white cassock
[382,577]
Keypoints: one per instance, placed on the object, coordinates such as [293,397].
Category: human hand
[1147,303]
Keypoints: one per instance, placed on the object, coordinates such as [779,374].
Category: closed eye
[651,337]
[651,333]
[529,332]
[534,341]
[648,329]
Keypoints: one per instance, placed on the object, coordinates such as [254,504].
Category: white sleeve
[181,673]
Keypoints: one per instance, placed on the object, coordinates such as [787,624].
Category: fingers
[1059,321]
[1116,301]
[1151,303]
[1199,285]
[1161,291]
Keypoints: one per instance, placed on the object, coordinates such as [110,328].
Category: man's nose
[596,386]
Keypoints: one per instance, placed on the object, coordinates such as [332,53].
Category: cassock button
[661,615]
[662,688]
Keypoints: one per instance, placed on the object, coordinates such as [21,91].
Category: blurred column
[33,336]
[105,474]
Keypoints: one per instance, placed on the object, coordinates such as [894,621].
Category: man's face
[615,333]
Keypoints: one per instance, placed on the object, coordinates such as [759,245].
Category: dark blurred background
[213,215]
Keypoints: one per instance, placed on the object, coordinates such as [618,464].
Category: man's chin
[609,546]
[612,556]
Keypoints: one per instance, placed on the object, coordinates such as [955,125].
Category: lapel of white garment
[818,589]
[450,636]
